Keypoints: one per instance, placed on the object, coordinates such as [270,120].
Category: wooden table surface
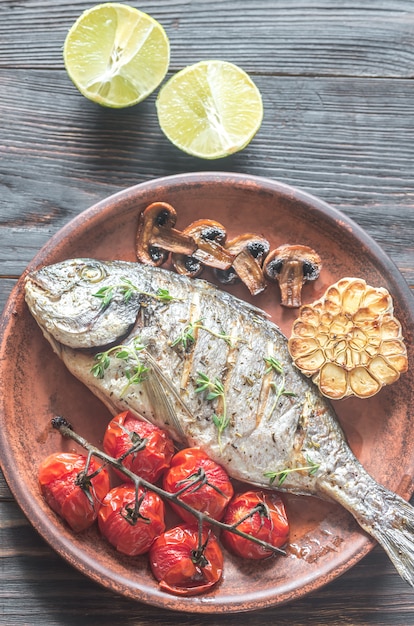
[337,83]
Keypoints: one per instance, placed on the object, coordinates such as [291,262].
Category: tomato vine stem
[66,430]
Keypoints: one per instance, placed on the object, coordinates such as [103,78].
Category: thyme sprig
[135,371]
[66,430]
[280,389]
[187,336]
[126,288]
[214,389]
[281,475]
[273,365]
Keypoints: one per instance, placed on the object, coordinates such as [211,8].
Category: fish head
[83,303]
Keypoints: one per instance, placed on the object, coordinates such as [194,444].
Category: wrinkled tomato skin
[205,498]
[129,538]
[149,462]
[171,561]
[57,475]
[274,528]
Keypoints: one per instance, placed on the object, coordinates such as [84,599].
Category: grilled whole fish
[214,372]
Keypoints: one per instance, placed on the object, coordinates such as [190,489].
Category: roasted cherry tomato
[71,493]
[262,515]
[131,521]
[203,484]
[151,449]
[183,564]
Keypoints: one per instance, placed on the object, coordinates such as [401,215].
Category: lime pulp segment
[116,55]
[210,109]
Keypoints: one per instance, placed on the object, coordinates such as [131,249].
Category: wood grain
[62,596]
[336,79]
[323,135]
[279,37]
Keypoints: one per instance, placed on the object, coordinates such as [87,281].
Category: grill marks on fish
[270,432]
[268,390]
[194,314]
[229,362]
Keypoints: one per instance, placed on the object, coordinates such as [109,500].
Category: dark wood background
[337,83]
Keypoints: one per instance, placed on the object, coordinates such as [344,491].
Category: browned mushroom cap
[209,237]
[156,235]
[291,266]
[249,251]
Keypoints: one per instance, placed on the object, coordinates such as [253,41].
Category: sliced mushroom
[249,252]
[291,266]
[156,235]
[209,237]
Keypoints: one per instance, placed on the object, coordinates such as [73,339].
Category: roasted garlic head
[349,341]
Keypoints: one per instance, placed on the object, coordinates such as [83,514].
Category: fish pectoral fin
[165,397]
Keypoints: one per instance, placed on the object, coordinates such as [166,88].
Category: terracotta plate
[325,541]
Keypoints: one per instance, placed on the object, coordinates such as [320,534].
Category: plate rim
[94,212]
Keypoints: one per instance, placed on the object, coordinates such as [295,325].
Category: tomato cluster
[186,559]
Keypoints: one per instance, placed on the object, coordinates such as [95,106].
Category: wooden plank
[5,493]
[343,140]
[339,119]
[5,288]
[307,37]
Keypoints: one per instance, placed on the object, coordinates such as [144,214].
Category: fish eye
[93,273]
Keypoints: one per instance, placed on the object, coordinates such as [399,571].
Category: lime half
[116,55]
[210,109]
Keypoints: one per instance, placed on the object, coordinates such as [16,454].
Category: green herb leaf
[273,364]
[280,390]
[187,335]
[164,295]
[127,289]
[135,371]
[105,294]
[122,354]
[221,422]
[214,389]
[281,475]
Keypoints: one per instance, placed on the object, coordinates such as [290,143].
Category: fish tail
[384,515]
[395,533]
